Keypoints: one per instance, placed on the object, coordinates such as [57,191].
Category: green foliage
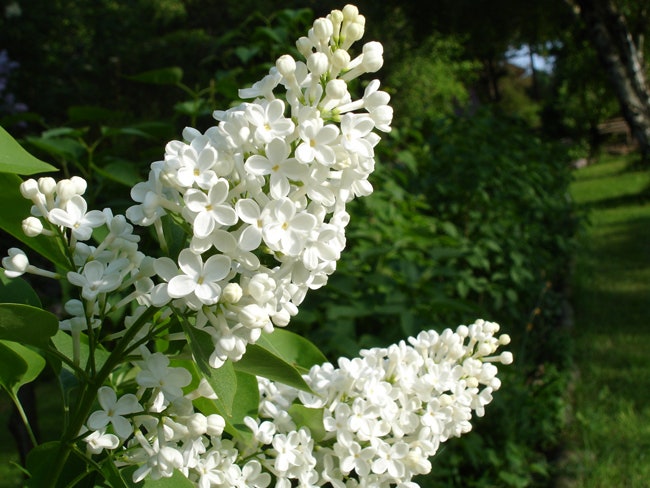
[431,81]
[470,220]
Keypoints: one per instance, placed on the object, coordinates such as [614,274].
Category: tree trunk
[623,63]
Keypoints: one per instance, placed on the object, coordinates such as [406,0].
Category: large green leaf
[15,208]
[293,349]
[27,324]
[14,159]
[17,290]
[41,461]
[312,418]
[259,361]
[222,380]
[19,365]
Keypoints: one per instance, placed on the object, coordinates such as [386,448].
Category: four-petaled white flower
[278,165]
[285,228]
[113,412]
[317,142]
[98,277]
[269,121]
[156,373]
[76,218]
[209,209]
[199,278]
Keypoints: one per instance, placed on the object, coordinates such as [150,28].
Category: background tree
[620,54]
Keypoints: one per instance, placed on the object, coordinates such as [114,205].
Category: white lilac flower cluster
[262,198]
[384,414]
[263,193]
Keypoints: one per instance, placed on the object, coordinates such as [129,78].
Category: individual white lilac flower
[279,165]
[210,211]
[76,218]
[16,264]
[389,459]
[286,229]
[160,461]
[262,88]
[269,121]
[198,278]
[156,373]
[197,166]
[317,142]
[99,440]
[98,277]
[355,129]
[253,477]
[210,470]
[113,411]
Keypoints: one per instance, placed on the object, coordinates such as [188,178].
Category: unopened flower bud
[215,424]
[47,185]
[304,46]
[29,189]
[336,89]
[350,13]
[506,357]
[286,65]
[65,189]
[231,293]
[323,29]
[197,424]
[318,63]
[340,59]
[373,58]
[32,227]
[80,184]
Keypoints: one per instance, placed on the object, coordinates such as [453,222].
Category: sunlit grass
[609,437]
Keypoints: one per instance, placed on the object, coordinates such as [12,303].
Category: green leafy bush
[471,219]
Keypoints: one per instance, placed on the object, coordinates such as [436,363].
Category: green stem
[25,420]
[89,394]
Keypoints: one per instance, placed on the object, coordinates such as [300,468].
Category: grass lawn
[609,435]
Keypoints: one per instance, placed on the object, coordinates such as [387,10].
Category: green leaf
[27,324]
[17,290]
[222,380]
[165,76]
[247,400]
[292,348]
[246,403]
[59,147]
[43,458]
[259,361]
[19,365]
[312,418]
[121,171]
[15,209]
[14,159]
[63,343]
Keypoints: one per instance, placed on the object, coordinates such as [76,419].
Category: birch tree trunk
[623,62]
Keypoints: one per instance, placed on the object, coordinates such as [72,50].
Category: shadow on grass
[633,199]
